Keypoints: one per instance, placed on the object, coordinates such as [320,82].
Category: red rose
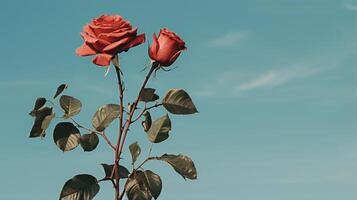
[166,48]
[108,36]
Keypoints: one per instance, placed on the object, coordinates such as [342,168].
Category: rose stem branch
[85,128]
[150,149]
[106,139]
[145,161]
[117,148]
[145,109]
[128,121]
[94,131]
[122,194]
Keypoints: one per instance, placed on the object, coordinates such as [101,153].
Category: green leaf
[66,136]
[159,130]
[182,165]
[136,188]
[153,182]
[89,141]
[39,104]
[155,97]
[134,151]
[104,116]
[108,170]
[147,121]
[70,105]
[148,95]
[177,101]
[43,118]
[143,185]
[80,187]
[60,89]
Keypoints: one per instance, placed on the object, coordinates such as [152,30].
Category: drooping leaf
[60,89]
[42,121]
[153,182]
[155,97]
[39,104]
[148,95]
[89,141]
[182,165]
[135,151]
[159,130]
[70,105]
[108,170]
[147,121]
[143,185]
[177,101]
[123,172]
[80,187]
[66,136]
[104,116]
[136,188]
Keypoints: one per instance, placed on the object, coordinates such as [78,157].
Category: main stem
[123,130]
[117,154]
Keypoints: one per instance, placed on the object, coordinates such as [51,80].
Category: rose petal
[87,29]
[116,45]
[107,18]
[102,29]
[173,36]
[124,23]
[85,50]
[88,38]
[102,59]
[138,40]
[115,36]
[97,44]
[168,47]
[172,60]
[154,47]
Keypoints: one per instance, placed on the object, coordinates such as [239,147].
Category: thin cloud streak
[229,39]
[277,77]
[236,83]
[350,7]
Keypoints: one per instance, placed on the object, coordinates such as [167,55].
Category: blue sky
[274,81]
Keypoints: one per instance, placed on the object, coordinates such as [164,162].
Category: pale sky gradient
[274,81]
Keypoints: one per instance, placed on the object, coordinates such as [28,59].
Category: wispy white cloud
[351,7]
[229,39]
[234,82]
[277,77]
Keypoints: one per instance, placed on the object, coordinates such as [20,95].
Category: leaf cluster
[140,184]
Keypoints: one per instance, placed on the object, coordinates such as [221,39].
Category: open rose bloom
[166,48]
[107,36]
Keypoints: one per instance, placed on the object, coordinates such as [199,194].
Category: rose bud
[107,36]
[166,48]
